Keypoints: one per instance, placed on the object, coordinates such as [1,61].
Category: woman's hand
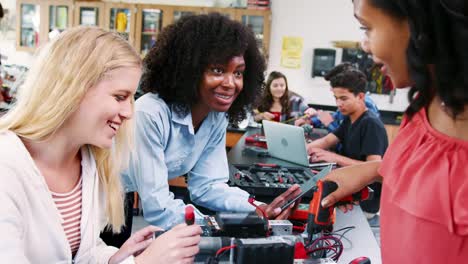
[264,116]
[177,246]
[267,116]
[351,180]
[135,244]
[273,210]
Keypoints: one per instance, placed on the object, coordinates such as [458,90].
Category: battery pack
[271,250]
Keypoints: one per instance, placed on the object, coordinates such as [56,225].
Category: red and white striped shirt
[69,206]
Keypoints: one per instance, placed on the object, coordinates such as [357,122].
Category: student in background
[205,70]
[278,103]
[361,134]
[424,213]
[61,151]
[331,121]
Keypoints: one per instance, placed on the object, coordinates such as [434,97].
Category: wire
[252,202]
[298,228]
[342,236]
[329,245]
[223,250]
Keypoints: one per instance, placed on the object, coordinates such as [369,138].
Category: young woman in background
[278,103]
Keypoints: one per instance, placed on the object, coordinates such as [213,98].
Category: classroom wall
[318,22]
[8,38]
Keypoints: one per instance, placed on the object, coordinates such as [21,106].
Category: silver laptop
[287,142]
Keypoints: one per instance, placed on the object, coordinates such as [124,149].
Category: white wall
[318,22]
[7,41]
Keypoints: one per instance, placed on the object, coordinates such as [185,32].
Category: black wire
[345,229]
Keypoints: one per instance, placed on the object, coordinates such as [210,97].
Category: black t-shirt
[366,136]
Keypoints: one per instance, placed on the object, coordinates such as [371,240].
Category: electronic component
[209,245]
[321,218]
[269,180]
[320,221]
[272,250]
[361,260]
[308,186]
[234,224]
[189,215]
[280,227]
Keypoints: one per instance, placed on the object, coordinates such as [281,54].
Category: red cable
[251,201]
[298,228]
[221,250]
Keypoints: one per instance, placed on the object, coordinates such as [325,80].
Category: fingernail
[277,210]
[325,202]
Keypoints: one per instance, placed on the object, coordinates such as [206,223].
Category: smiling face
[278,87]
[386,38]
[221,84]
[105,107]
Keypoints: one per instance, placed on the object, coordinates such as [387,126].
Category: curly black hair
[347,76]
[439,37]
[174,67]
[266,100]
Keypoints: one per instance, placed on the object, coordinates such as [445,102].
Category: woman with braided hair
[424,203]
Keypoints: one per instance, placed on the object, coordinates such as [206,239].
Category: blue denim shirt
[166,147]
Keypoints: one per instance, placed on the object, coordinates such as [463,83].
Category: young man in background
[361,134]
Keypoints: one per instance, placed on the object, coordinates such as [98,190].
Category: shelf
[120,32]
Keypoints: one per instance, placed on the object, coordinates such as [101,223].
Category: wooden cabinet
[89,14]
[229,12]
[28,25]
[181,11]
[259,22]
[150,19]
[38,20]
[58,17]
[120,18]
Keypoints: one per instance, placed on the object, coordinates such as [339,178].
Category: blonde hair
[64,70]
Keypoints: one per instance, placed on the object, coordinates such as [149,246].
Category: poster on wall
[291,52]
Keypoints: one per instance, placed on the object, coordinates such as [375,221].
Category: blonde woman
[61,149]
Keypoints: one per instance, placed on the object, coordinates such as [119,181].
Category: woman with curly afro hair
[203,71]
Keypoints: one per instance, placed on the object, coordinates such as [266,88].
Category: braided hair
[438,39]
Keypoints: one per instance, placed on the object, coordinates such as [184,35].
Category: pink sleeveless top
[424,204]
